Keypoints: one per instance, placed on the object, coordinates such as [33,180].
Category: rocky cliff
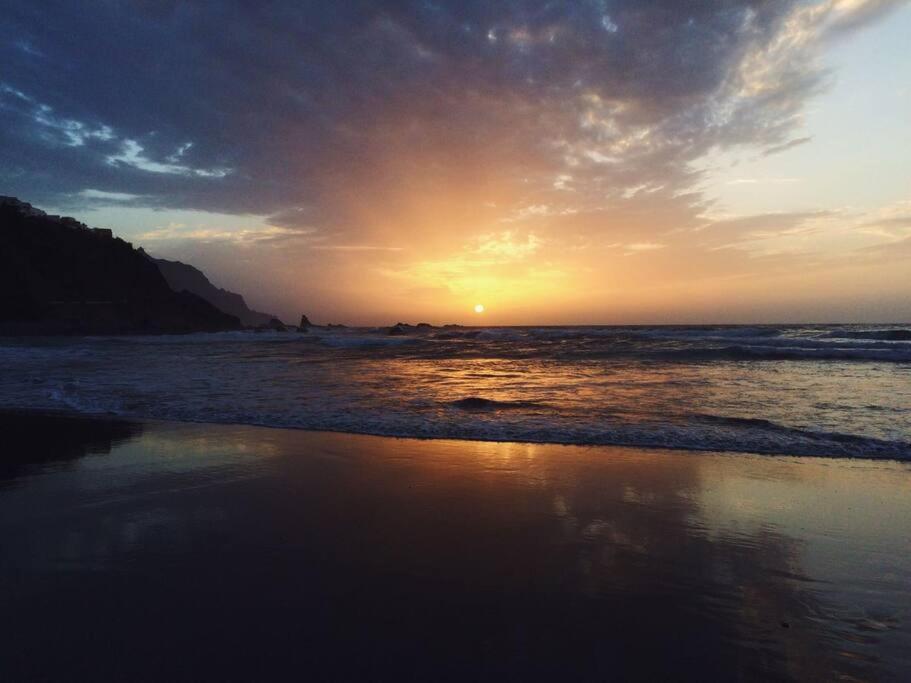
[58,276]
[184,277]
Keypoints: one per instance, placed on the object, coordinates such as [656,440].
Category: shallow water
[195,552]
[811,390]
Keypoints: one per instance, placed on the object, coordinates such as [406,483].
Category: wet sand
[161,551]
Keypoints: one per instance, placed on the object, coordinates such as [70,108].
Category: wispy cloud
[133,154]
[760,181]
[640,247]
[175,232]
[785,146]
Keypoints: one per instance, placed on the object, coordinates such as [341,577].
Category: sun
[479,308]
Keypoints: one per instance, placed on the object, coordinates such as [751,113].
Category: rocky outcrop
[184,277]
[58,276]
[401,328]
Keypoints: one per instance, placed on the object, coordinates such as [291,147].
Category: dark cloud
[318,112]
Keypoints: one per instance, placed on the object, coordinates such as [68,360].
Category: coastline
[685,389]
[682,449]
[212,551]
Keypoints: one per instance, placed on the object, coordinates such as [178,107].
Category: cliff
[58,276]
[183,277]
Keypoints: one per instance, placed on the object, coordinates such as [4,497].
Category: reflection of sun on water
[479,308]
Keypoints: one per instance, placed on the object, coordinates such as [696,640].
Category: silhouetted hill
[182,276]
[58,276]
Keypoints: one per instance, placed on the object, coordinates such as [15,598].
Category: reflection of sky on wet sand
[491,557]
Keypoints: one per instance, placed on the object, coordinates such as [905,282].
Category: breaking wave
[791,390]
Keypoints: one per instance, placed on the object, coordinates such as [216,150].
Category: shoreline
[38,412]
[205,551]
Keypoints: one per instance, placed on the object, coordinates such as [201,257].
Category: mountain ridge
[59,276]
[185,277]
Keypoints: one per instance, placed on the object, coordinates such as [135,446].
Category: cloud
[101,195]
[785,146]
[758,181]
[640,247]
[353,247]
[507,245]
[180,232]
[131,153]
[287,106]
[414,132]
[766,224]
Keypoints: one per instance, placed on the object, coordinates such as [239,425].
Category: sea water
[840,390]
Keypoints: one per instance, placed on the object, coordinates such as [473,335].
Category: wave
[477,403]
[869,446]
[712,331]
[625,386]
[363,341]
[883,335]
[68,395]
[233,336]
[481,419]
[772,353]
[671,343]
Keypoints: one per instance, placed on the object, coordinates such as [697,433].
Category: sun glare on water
[479,308]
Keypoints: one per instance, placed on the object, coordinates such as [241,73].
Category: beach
[147,550]
[399,340]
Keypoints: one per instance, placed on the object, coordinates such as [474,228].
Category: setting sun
[693,219]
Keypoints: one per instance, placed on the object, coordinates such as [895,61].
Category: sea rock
[305,322]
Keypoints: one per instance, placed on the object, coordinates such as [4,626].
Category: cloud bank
[411,133]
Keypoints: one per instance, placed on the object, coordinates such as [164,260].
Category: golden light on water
[479,308]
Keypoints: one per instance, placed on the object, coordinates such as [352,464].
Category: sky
[597,161]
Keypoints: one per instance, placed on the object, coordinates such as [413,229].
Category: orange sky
[603,162]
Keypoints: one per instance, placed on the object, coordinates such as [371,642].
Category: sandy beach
[168,551]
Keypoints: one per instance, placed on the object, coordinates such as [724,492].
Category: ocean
[817,390]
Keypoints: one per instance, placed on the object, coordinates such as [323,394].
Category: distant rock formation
[305,322]
[58,276]
[184,277]
[401,328]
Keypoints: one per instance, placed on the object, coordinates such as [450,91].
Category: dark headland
[184,277]
[59,276]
